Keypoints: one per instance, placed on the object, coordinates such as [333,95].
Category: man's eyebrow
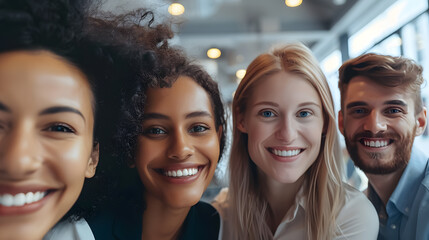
[396,102]
[4,108]
[356,104]
[60,109]
[199,114]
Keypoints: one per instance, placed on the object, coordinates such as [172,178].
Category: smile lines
[181,173]
[284,153]
[20,199]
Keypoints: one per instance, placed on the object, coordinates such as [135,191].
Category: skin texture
[46,125]
[376,113]
[179,132]
[284,112]
[279,116]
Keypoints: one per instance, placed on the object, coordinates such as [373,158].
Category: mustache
[369,134]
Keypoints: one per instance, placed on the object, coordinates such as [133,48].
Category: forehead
[39,79]
[284,86]
[184,96]
[363,89]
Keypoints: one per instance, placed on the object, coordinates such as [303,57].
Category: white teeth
[285,153]
[181,173]
[375,144]
[20,199]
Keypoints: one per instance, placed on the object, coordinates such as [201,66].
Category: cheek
[71,159]
[210,149]
[149,152]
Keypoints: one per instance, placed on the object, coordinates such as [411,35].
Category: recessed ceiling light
[293,3]
[176,9]
[213,53]
[240,73]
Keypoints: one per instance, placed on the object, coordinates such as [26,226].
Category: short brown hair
[385,70]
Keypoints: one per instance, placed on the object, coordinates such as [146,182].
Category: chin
[30,231]
[184,201]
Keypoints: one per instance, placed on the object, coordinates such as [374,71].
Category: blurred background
[226,35]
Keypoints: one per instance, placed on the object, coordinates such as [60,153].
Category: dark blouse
[202,222]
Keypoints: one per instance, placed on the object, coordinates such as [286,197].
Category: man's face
[379,125]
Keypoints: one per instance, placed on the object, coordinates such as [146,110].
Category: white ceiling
[243,29]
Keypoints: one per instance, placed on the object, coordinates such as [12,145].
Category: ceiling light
[176,9]
[339,2]
[293,3]
[240,73]
[213,53]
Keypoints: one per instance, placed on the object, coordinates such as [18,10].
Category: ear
[340,122]
[219,132]
[241,125]
[93,161]
[421,120]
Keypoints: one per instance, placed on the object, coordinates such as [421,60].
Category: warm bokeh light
[240,73]
[213,53]
[176,9]
[293,3]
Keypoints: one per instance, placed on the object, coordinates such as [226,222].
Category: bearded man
[381,113]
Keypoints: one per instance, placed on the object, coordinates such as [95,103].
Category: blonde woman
[286,176]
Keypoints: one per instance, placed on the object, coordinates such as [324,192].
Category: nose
[181,147]
[375,122]
[18,157]
[287,131]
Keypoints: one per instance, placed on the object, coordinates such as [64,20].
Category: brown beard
[403,147]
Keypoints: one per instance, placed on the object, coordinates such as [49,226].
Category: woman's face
[284,123]
[46,125]
[178,151]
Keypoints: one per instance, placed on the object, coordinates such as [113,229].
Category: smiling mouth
[285,153]
[180,173]
[21,199]
[372,143]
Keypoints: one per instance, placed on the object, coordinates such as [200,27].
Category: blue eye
[60,128]
[198,129]
[267,114]
[304,114]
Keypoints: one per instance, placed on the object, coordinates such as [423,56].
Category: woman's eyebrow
[198,114]
[4,108]
[60,109]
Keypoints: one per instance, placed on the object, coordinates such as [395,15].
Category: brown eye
[198,129]
[154,131]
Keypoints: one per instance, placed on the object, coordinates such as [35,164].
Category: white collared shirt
[357,219]
[65,230]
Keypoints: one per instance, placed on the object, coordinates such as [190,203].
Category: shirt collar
[408,183]
[300,202]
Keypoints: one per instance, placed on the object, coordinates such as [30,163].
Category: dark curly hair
[170,64]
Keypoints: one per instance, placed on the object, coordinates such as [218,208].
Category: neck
[161,221]
[385,184]
[280,198]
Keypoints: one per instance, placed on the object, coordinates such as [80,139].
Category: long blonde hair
[324,177]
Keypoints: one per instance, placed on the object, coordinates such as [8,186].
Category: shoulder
[102,222]
[220,202]
[67,230]
[358,218]
[205,211]
[202,222]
